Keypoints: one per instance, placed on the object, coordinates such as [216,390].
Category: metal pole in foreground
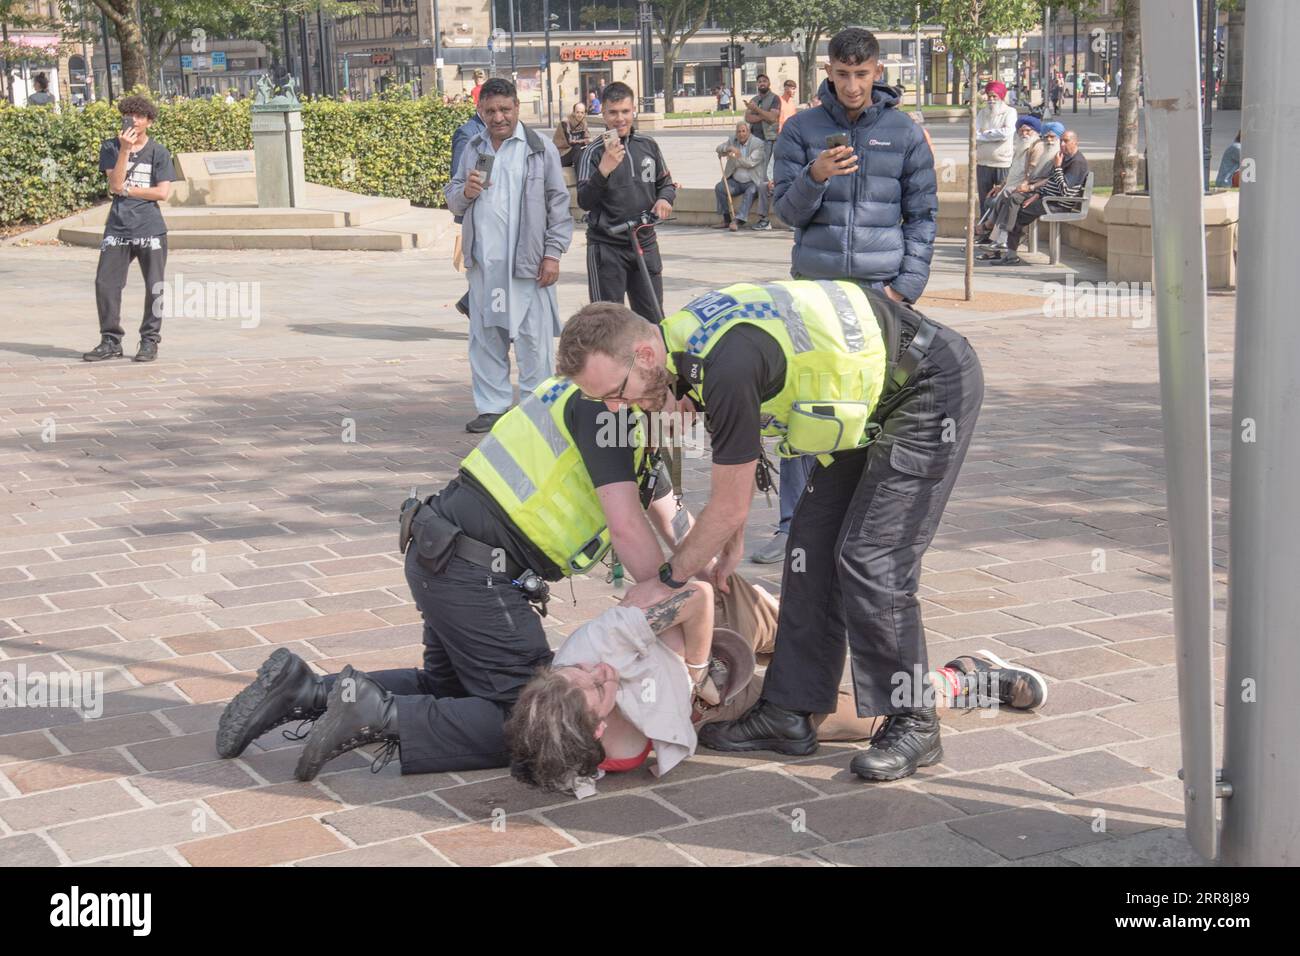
[1261,823]
[646,14]
[1211,20]
[1169,66]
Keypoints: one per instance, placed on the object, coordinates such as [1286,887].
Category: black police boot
[905,741]
[764,726]
[359,712]
[285,689]
[106,349]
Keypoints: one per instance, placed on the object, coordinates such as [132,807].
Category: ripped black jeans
[853,562]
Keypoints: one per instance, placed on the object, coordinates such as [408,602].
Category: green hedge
[49,162]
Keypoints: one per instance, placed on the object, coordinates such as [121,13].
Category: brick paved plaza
[189,516]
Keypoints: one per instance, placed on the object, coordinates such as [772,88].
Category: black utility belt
[436,539]
[486,556]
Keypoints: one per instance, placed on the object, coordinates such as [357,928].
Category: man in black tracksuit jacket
[615,188]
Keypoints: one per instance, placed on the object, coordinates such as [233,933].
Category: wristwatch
[666,576]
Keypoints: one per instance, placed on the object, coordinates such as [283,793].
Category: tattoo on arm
[663,615]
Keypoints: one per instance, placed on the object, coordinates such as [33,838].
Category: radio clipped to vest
[822,428]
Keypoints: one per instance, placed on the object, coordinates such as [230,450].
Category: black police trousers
[482,643]
[853,560]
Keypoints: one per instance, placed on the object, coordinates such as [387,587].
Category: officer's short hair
[609,328]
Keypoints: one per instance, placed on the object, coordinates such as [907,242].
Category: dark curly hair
[137,106]
[552,734]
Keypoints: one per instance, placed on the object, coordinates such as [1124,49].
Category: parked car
[1094,85]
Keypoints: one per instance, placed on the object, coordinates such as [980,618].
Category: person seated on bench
[744,174]
[1066,182]
[1005,197]
[624,684]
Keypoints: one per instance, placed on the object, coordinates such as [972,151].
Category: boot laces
[384,755]
[301,731]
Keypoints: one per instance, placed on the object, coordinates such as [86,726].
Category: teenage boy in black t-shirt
[140,176]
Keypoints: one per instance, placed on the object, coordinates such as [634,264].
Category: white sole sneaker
[1036,677]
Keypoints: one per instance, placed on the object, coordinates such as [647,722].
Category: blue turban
[1055,128]
[1033,122]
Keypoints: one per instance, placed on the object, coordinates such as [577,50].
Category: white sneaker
[773,552]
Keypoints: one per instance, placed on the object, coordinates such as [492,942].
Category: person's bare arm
[630,531]
[686,614]
[157,193]
[661,513]
[720,524]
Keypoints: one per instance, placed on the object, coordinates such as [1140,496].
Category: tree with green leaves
[677,22]
[968,25]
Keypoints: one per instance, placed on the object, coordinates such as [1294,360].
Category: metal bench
[1065,211]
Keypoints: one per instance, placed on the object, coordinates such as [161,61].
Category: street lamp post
[547,16]
[514,69]
[645,14]
[1074,58]
[1211,21]
[437,48]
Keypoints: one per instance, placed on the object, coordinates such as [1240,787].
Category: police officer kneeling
[541,497]
[887,399]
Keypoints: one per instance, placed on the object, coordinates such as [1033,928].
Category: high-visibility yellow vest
[531,466]
[835,355]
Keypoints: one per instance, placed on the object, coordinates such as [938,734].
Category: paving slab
[195,513]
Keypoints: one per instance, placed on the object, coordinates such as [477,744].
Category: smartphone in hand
[611,137]
[484,166]
[127,123]
[837,139]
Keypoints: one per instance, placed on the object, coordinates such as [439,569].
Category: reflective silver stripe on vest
[537,414]
[499,457]
[848,315]
[791,317]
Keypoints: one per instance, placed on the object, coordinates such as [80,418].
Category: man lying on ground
[620,687]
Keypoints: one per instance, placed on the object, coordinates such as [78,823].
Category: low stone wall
[1117,230]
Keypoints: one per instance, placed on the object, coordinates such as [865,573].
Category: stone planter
[1128,239]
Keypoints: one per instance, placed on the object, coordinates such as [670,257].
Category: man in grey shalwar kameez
[516,228]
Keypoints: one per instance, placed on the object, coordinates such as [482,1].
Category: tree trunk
[972,198]
[1126,133]
[122,14]
[808,65]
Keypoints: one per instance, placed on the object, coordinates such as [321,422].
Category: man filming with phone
[510,189]
[621,175]
[855,178]
[140,175]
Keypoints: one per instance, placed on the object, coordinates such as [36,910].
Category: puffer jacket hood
[877,225]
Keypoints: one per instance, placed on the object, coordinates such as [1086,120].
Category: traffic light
[737,55]
[725,53]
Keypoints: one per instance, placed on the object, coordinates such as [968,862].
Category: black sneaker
[989,678]
[148,351]
[285,689]
[483,423]
[764,726]
[762,225]
[903,743]
[358,712]
[106,349]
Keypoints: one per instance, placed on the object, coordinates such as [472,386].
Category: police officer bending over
[887,399]
[542,497]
